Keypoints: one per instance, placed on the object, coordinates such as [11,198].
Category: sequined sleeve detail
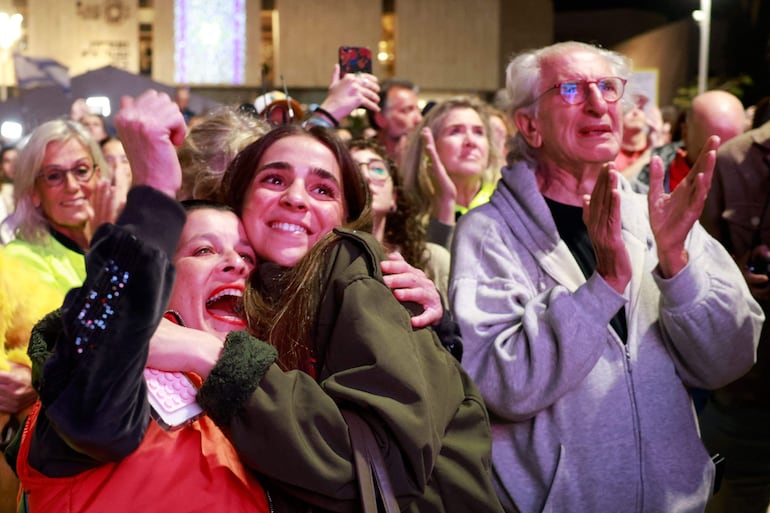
[100,306]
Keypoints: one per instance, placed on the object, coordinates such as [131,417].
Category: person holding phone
[352,86]
[347,92]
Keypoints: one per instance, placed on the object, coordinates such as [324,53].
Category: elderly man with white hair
[587,310]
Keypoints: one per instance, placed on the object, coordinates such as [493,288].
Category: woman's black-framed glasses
[54,176]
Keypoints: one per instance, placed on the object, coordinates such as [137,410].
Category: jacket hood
[528,216]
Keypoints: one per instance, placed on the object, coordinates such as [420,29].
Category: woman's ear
[36,200]
[527,125]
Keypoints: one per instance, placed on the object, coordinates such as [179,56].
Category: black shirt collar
[66,242]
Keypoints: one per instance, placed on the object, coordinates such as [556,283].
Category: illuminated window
[386,49]
[209,41]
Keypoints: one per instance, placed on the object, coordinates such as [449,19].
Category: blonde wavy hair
[416,168]
[210,146]
[28,221]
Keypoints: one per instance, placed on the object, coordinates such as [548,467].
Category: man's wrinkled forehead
[573,64]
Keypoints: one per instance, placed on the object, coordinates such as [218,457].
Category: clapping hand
[446,191]
[109,198]
[601,215]
[672,215]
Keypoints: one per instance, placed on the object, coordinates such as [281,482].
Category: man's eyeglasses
[376,169]
[53,176]
[575,92]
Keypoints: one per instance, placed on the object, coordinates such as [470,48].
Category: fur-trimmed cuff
[41,343]
[236,375]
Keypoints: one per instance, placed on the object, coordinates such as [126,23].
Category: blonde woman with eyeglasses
[57,176]
[57,190]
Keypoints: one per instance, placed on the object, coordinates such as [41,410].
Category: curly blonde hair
[210,146]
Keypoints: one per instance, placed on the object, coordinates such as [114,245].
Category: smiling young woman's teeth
[289,227]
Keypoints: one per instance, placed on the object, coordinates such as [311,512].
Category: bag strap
[368,460]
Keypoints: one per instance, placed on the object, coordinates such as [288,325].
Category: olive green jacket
[424,410]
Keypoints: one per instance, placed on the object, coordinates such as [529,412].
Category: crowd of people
[547,306]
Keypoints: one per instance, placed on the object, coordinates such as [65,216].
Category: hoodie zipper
[635,413]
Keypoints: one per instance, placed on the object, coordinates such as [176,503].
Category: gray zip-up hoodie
[580,421]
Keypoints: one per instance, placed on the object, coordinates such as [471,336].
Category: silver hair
[210,146]
[523,82]
[27,221]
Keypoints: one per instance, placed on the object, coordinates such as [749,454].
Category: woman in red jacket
[91,443]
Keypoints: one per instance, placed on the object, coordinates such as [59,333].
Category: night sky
[672,9]
[745,29]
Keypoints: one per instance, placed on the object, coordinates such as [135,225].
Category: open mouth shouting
[226,304]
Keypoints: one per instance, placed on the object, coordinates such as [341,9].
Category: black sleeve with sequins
[92,388]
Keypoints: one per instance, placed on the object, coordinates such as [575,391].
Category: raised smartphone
[355,59]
